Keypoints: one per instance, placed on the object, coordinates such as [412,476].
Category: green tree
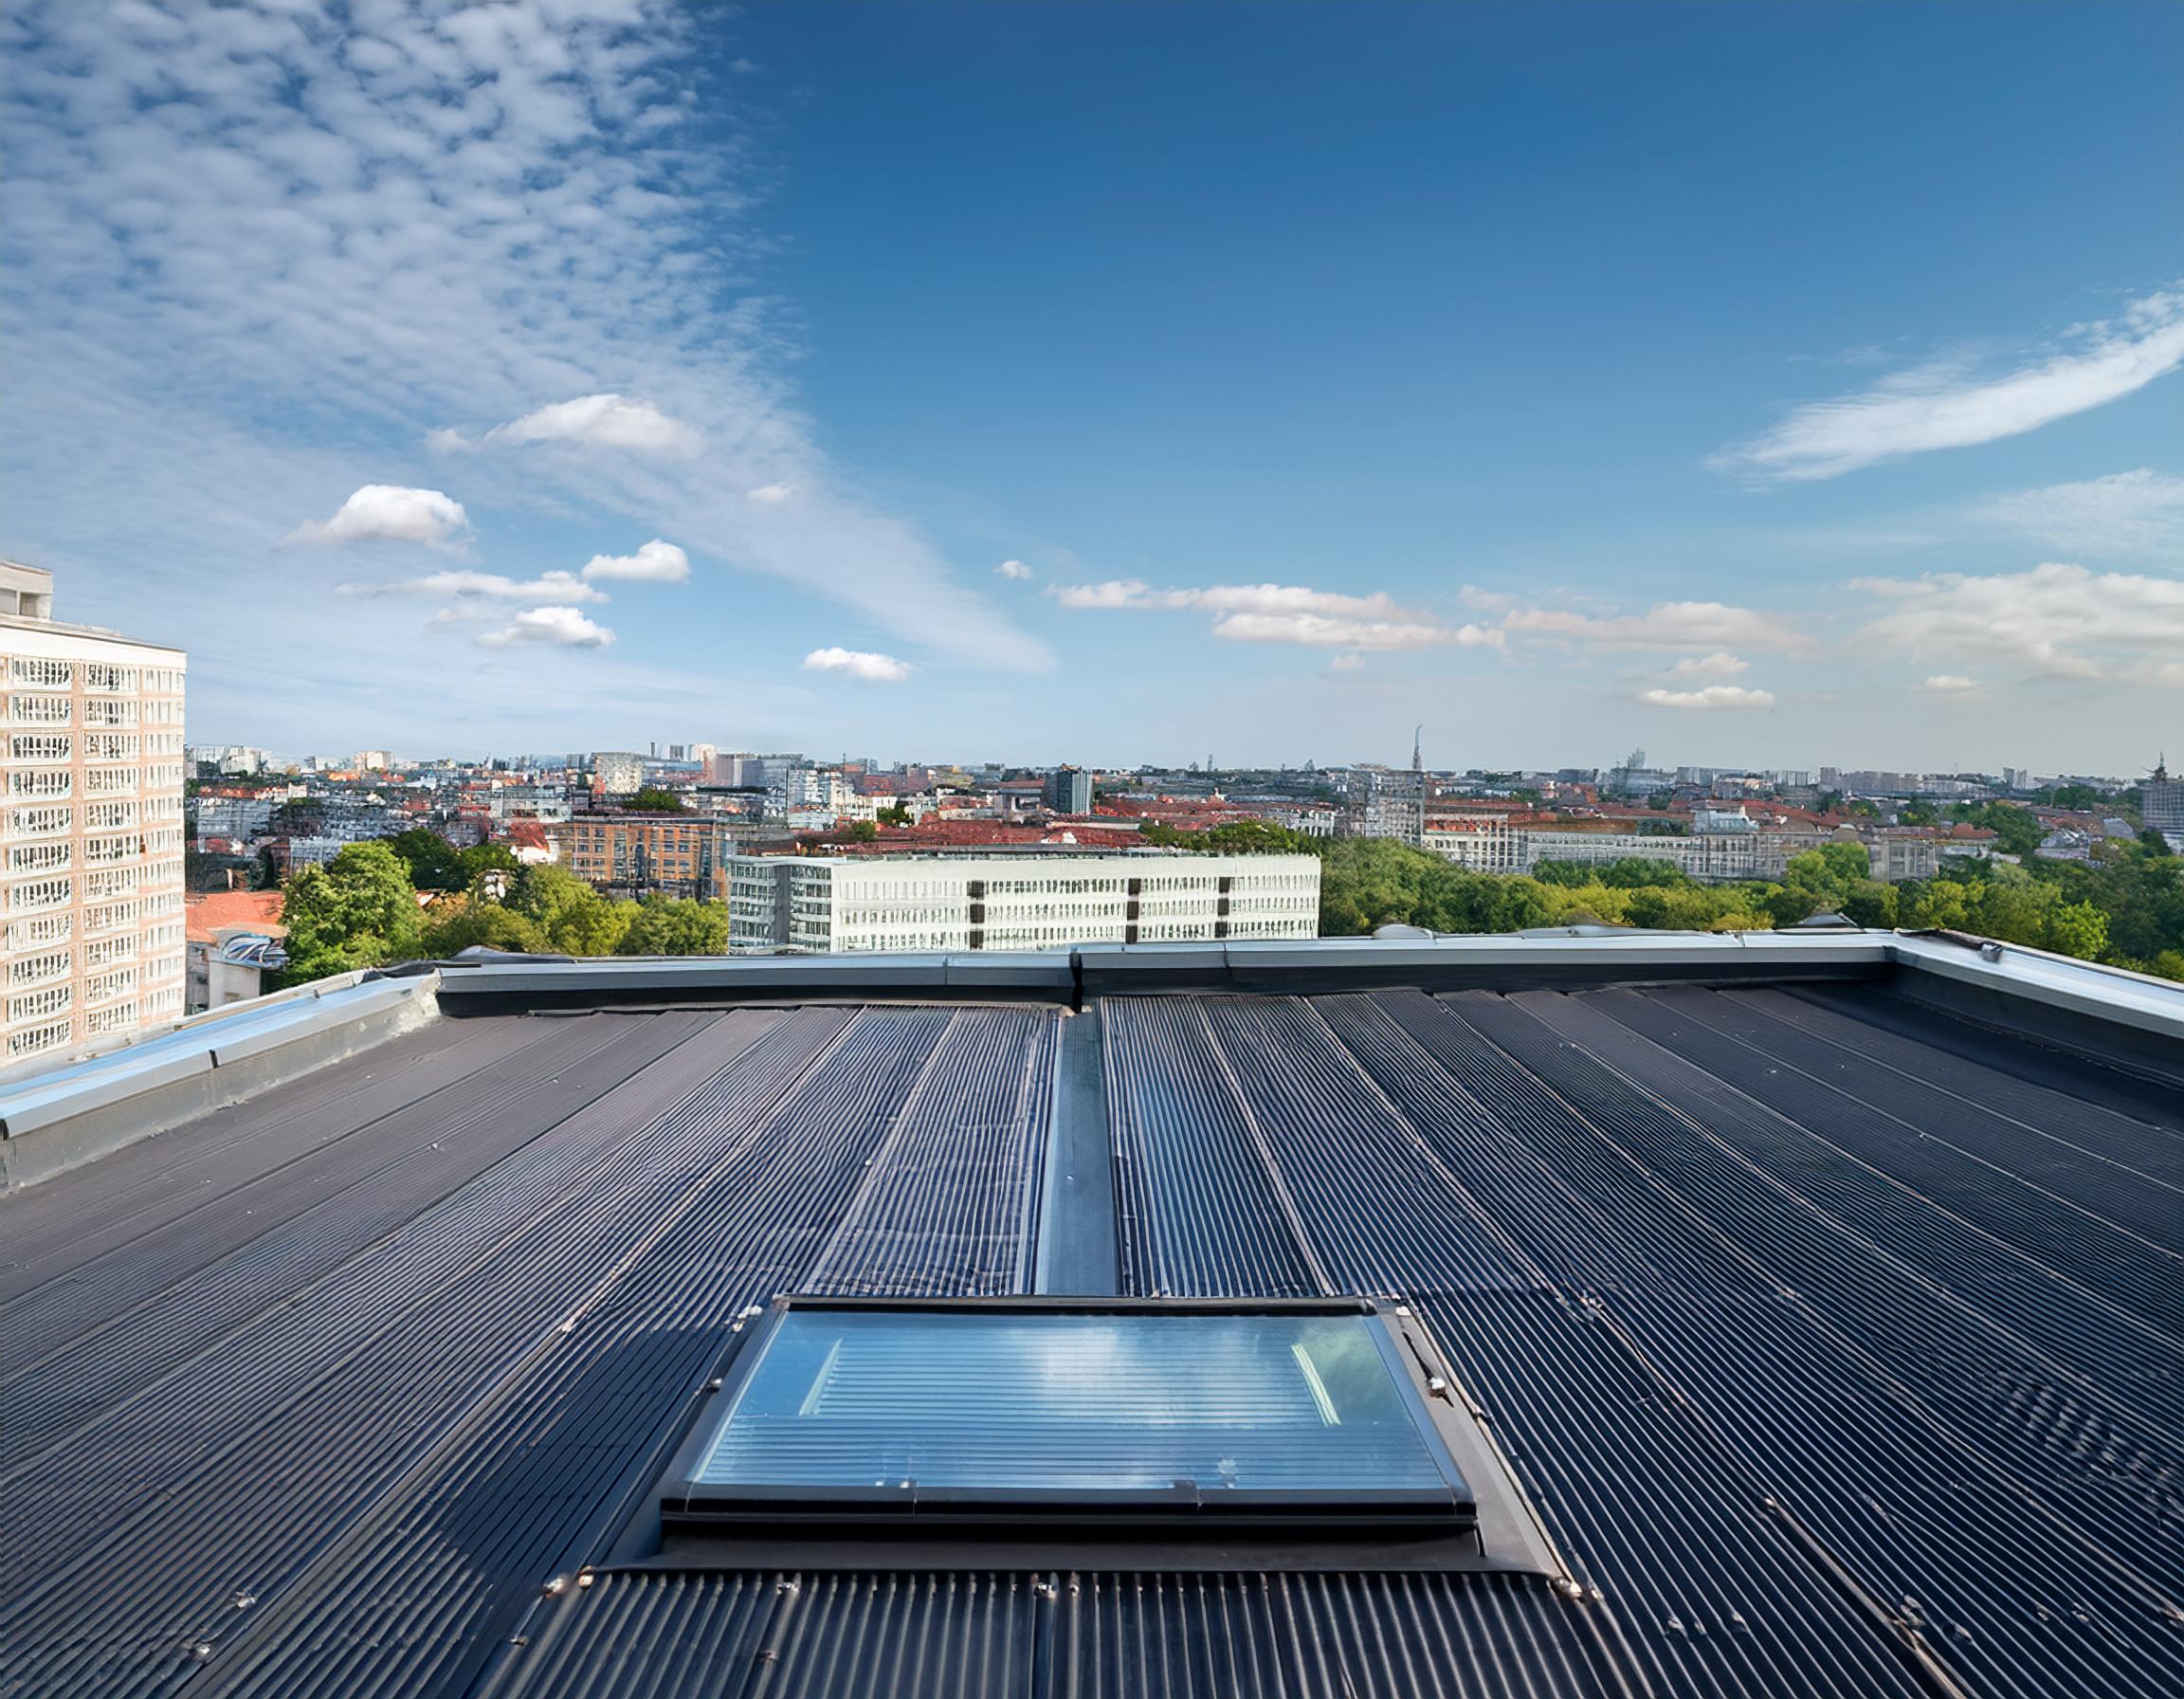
[574,919]
[432,859]
[654,800]
[898,815]
[454,926]
[358,910]
[481,858]
[676,926]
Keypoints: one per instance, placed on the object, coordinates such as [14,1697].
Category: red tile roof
[205,913]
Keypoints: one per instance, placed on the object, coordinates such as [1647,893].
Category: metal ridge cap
[200,1045]
[2064,982]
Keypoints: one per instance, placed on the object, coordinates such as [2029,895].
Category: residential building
[617,772]
[1025,900]
[1385,802]
[235,938]
[92,943]
[1723,844]
[1068,791]
[2163,807]
[639,854]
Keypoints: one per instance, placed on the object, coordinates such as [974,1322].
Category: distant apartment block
[1724,844]
[677,855]
[1385,802]
[617,772]
[1068,791]
[2163,810]
[92,828]
[1033,900]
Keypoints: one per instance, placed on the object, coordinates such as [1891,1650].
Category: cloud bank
[375,222]
[1287,614]
[2055,621]
[1944,406]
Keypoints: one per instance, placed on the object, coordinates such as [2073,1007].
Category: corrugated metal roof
[1838,1344]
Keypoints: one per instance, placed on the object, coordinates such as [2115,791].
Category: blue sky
[1781,383]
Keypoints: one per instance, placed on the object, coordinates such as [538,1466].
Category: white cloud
[1324,630]
[556,628]
[1288,614]
[2055,621]
[1666,625]
[1949,683]
[2125,513]
[656,562]
[387,513]
[1710,696]
[858,664]
[489,585]
[1943,406]
[601,422]
[1013,568]
[771,495]
[382,220]
[1346,664]
[1721,663]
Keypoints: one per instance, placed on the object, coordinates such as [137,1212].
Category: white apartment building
[1036,899]
[1723,844]
[90,825]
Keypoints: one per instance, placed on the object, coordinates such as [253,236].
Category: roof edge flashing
[84,1106]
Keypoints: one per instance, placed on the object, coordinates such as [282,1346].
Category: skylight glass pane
[1080,1403]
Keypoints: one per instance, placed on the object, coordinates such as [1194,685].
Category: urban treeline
[2124,906]
[361,909]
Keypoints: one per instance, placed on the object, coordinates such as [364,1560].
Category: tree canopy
[358,910]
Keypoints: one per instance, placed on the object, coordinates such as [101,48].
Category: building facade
[1068,791]
[678,855]
[1384,802]
[2164,805]
[92,829]
[1723,844]
[1034,899]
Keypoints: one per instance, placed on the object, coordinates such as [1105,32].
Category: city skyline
[495,377]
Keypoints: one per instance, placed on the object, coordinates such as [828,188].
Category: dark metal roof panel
[1841,1354]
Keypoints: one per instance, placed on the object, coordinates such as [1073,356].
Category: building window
[42,673]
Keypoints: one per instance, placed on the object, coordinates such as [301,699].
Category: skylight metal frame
[1491,1528]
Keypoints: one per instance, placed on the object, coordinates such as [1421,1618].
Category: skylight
[1112,1410]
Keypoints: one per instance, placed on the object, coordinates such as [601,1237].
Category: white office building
[91,825]
[1033,900]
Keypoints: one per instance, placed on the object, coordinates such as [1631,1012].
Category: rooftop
[1823,1293]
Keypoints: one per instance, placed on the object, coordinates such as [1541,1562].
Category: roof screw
[201,1650]
[749,1309]
[1402,1309]
[552,1589]
[243,1600]
[586,1579]
[786,1584]
[713,1384]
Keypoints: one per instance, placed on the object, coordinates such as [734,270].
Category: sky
[1777,385]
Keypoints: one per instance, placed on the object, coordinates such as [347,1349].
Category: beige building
[90,825]
[1025,900]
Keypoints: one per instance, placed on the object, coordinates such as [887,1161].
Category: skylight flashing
[1047,1432]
